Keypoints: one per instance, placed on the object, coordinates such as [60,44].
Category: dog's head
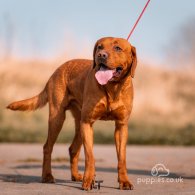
[114,59]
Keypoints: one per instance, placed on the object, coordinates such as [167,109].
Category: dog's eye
[117,48]
[99,47]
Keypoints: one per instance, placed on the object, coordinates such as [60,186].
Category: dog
[98,89]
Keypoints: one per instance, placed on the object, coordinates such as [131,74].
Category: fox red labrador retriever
[91,89]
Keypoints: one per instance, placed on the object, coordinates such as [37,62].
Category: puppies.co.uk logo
[160,170]
[160,174]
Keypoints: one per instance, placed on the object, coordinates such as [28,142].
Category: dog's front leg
[87,136]
[121,135]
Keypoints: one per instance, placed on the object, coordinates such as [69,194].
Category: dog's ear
[94,52]
[134,61]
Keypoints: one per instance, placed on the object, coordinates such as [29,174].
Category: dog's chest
[112,110]
[112,106]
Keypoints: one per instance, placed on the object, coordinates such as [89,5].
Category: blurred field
[163,113]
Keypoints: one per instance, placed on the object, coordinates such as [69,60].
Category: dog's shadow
[109,170]
[35,179]
[26,179]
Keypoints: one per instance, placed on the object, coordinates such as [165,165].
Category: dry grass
[163,108]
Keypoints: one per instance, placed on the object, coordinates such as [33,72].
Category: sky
[48,29]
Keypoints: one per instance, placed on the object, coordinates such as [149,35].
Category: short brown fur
[73,87]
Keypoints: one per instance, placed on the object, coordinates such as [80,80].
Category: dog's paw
[77,177]
[126,185]
[48,179]
[88,184]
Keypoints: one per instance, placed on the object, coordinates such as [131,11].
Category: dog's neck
[114,89]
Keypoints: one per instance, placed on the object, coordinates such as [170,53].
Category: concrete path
[20,170]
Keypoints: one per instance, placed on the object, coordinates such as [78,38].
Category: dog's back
[71,75]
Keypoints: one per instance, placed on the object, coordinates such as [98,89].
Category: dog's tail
[30,104]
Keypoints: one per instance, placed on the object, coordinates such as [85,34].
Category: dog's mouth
[106,74]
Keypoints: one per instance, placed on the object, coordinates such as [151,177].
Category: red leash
[138,19]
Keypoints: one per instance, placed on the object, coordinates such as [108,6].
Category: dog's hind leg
[56,120]
[57,103]
[74,149]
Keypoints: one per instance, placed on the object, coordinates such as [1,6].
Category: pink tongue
[103,76]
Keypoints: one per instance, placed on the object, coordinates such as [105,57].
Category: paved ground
[20,170]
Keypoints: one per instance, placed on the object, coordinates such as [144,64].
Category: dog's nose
[102,54]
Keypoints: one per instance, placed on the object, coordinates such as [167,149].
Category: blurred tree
[181,50]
